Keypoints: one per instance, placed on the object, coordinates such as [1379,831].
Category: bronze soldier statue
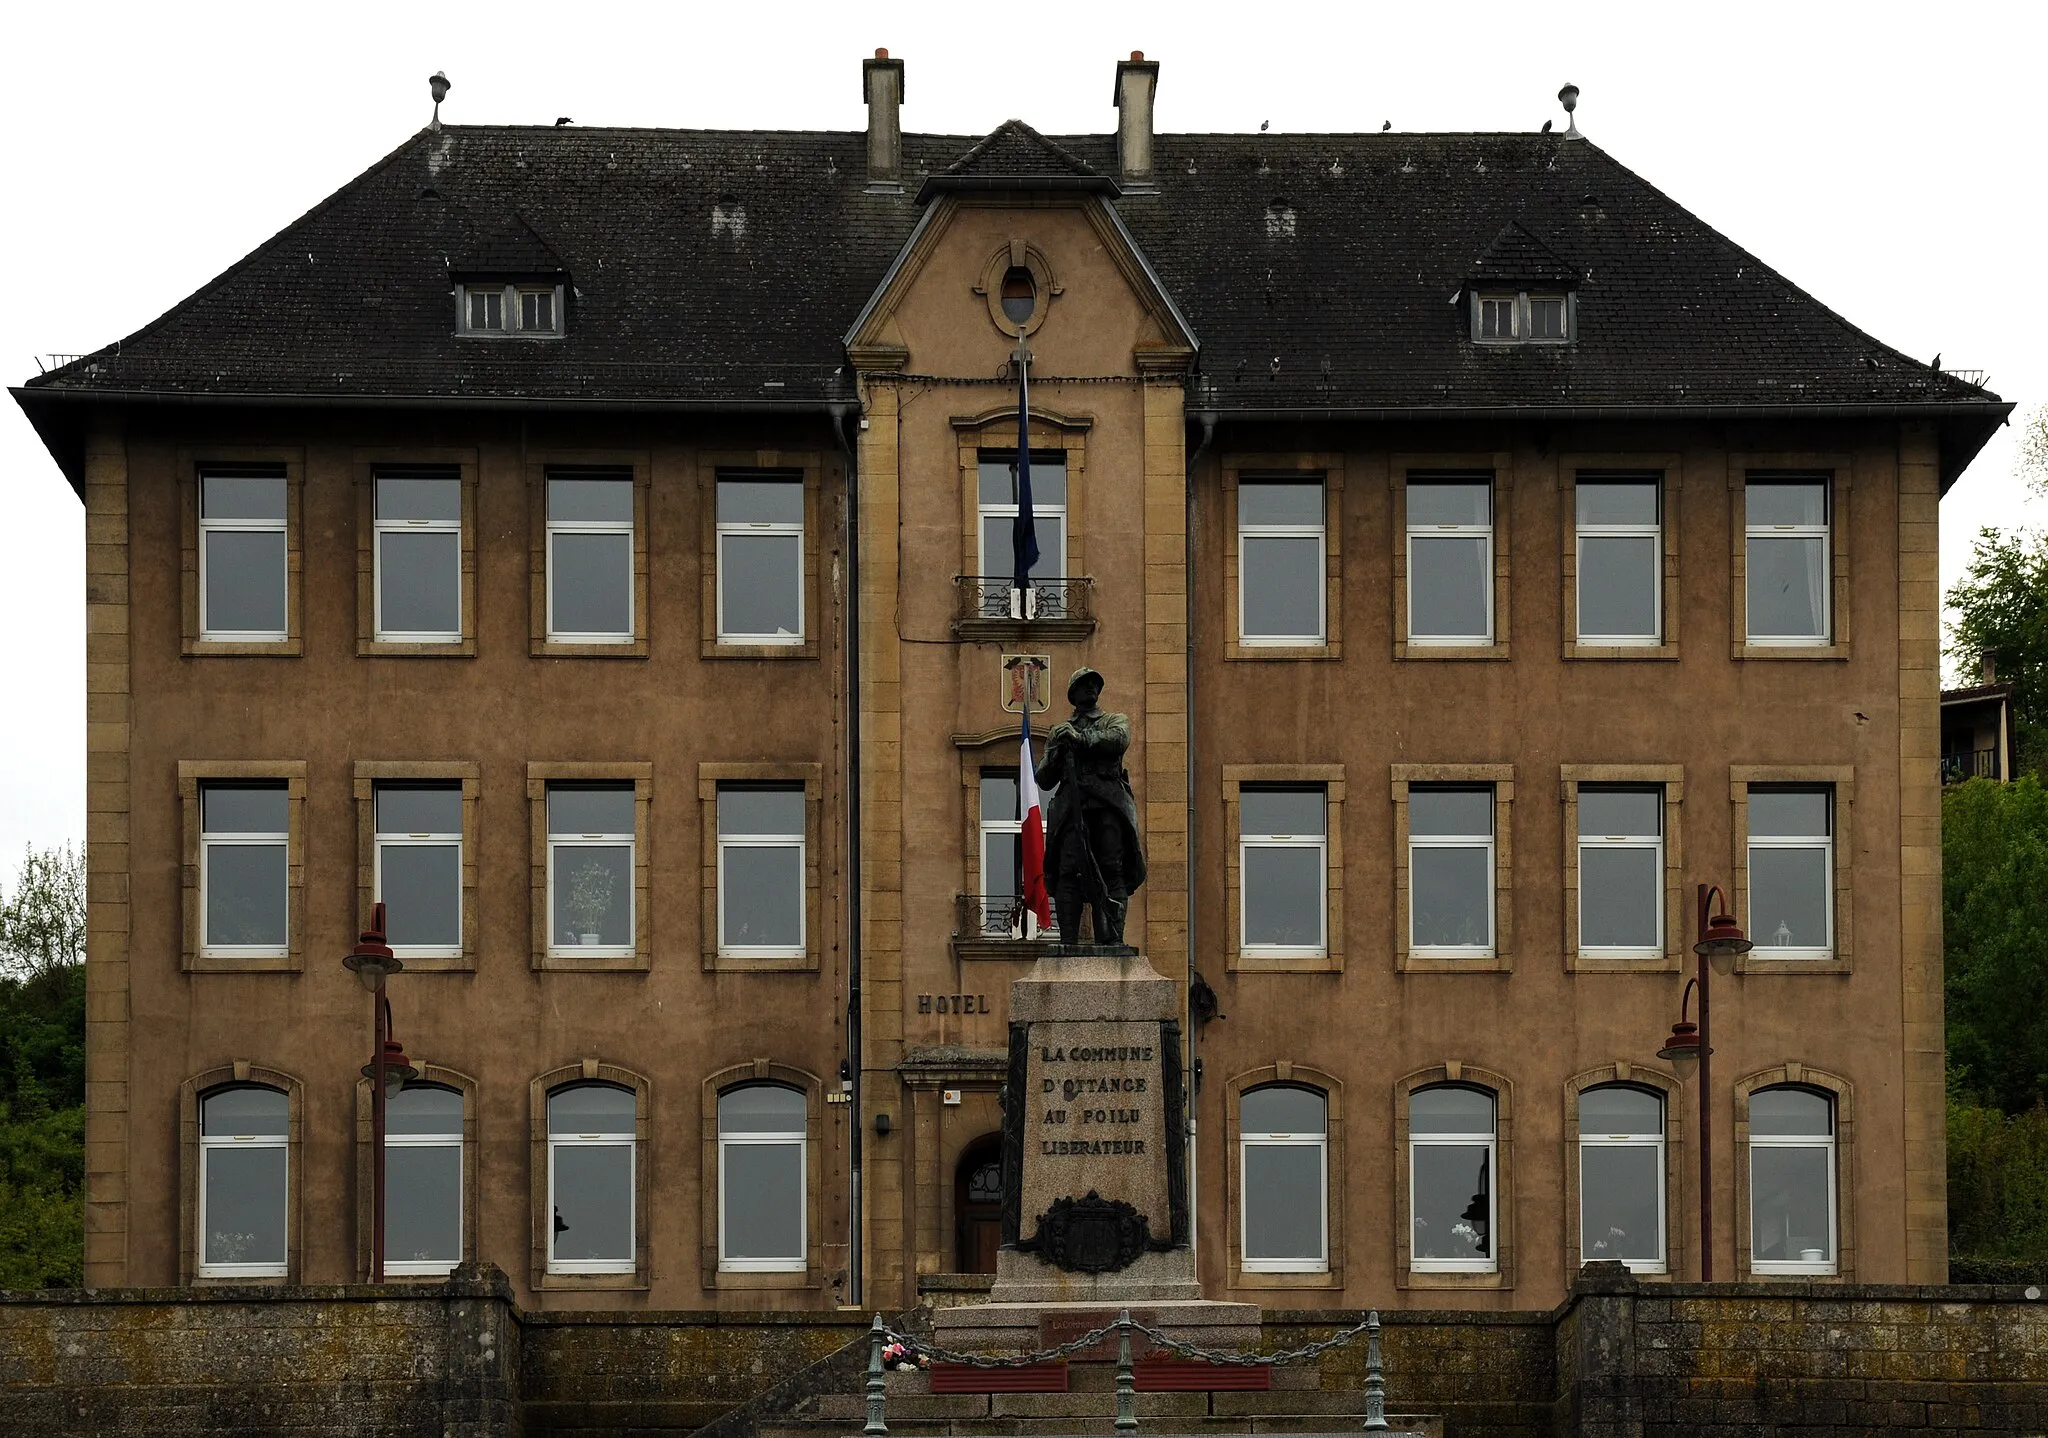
[1092,852]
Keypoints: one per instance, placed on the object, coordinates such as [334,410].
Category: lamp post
[1720,940]
[388,1070]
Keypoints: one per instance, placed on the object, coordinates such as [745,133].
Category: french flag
[1035,897]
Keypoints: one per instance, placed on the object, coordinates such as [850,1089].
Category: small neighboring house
[1976,730]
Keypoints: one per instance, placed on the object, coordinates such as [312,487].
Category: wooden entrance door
[978,1205]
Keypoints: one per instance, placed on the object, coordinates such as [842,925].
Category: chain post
[878,1386]
[1375,1377]
[1126,1381]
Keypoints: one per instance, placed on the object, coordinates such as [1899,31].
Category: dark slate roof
[1517,257]
[722,268]
[511,249]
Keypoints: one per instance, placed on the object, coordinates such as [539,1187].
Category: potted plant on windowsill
[589,902]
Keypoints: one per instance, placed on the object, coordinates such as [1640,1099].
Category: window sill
[1257,1278]
[1432,1278]
[629,1280]
[1620,651]
[754,1278]
[1749,963]
[1237,650]
[759,963]
[1255,963]
[241,1280]
[595,964]
[1408,649]
[1741,650]
[417,648]
[1822,1271]
[1412,963]
[569,649]
[253,648]
[1575,963]
[741,649]
[222,964]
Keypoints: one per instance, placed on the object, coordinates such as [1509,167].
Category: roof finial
[438,83]
[1569,98]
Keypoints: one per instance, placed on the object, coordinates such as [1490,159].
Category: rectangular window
[1283,869]
[997,515]
[419,868]
[1546,317]
[244,1182]
[1451,1155]
[593,1183]
[1497,317]
[1450,561]
[1792,1195]
[1787,559]
[537,311]
[761,558]
[590,870]
[1281,559]
[1620,561]
[1791,872]
[419,556]
[486,308]
[1002,858]
[244,868]
[1621,872]
[761,1185]
[244,580]
[1284,1194]
[423,1181]
[1450,871]
[1621,1177]
[761,870]
[590,557]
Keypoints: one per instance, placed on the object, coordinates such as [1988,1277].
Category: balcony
[1969,764]
[988,610]
[997,926]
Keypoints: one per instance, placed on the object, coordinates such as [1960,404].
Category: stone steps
[1100,1424]
[849,1407]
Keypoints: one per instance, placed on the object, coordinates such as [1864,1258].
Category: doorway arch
[978,1205]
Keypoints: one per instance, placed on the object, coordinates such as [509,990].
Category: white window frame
[1824,531]
[381,527]
[417,1268]
[1437,531]
[1827,1143]
[1320,844]
[211,526]
[1610,842]
[798,841]
[1662,1262]
[1028,609]
[801,1142]
[565,841]
[1653,532]
[384,839]
[1458,841]
[594,526]
[207,1144]
[207,839]
[1521,321]
[987,828]
[631,1143]
[1319,1142]
[1490,1141]
[1780,842]
[511,310]
[725,529]
[1320,532]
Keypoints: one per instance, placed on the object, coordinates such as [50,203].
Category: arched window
[423,1181]
[1792,1181]
[1283,1195]
[244,1182]
[761,1179]
[1451,1199]
[1621,1176]
[592,1158]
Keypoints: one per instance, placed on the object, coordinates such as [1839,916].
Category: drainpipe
[1208,421]
[853,1059]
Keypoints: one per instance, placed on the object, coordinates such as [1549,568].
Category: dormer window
[529,310]
[1523,318]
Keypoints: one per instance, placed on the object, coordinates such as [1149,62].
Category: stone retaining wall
[1622,1358]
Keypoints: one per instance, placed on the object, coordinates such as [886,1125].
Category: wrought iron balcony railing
[996,926]
[1969,764]
[989,607]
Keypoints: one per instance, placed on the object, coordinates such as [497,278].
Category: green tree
[42,1073]
[1995,928]
[2001,609]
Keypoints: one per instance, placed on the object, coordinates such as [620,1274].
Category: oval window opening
[1020,294]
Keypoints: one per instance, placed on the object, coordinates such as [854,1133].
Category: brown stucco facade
[892,1022]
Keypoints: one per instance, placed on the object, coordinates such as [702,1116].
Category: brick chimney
[1136,79]
[882,84]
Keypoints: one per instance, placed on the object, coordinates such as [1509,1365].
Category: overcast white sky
[1887,157]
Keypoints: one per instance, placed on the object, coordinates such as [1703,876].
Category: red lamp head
[398,1069]
[1683,1047]
[371,960]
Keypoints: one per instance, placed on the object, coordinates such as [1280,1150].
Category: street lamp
[1720,941]
[388,1070]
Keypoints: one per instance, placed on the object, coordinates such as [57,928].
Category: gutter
[855,1055]
[25,396]
[1931,409]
